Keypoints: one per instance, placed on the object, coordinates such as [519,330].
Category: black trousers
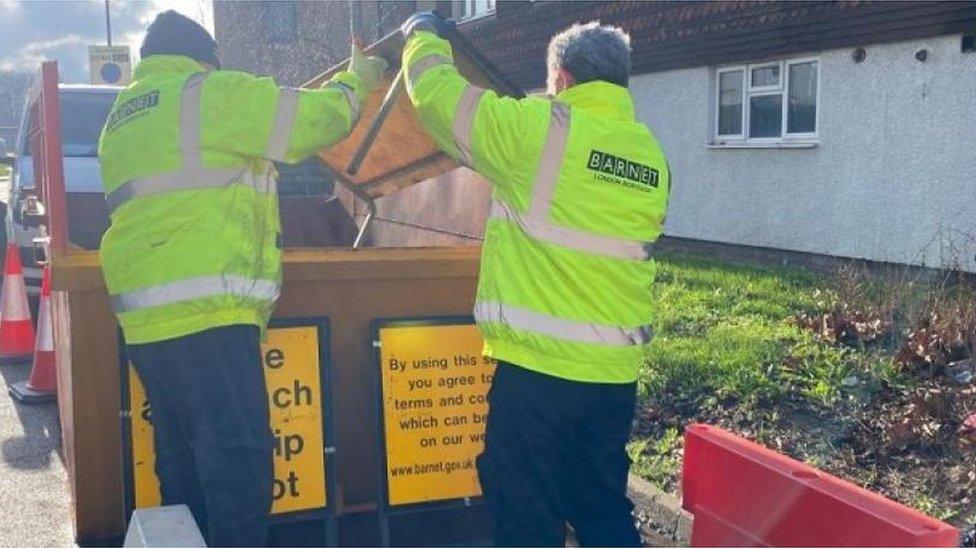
[554,453]
[212,431]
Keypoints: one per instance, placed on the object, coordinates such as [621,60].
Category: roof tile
[667,35]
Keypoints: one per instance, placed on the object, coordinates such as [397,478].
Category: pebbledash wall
[892,176]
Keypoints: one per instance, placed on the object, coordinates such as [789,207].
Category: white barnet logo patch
[617,167]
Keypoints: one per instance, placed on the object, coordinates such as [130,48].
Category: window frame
[782,115]
[718,104]
[749,91]
[491,9]
[758,90]
[815,134]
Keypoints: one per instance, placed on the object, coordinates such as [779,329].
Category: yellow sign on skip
[292,372]
[434,392]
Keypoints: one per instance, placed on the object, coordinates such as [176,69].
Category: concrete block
[682,533]
[168,526]
[663,520]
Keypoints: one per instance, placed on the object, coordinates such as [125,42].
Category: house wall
[893,178]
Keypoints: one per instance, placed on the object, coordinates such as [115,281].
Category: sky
[32,31]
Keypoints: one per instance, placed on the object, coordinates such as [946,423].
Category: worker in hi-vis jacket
[579,194]
[192,259]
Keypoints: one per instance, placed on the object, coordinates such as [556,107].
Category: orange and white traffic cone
[16,330]
[42,385]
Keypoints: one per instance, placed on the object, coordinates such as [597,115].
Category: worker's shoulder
[540,104]
[229,77]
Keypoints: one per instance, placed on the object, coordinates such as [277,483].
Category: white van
[84,109]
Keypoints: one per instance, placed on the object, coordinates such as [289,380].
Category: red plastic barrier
[743,494]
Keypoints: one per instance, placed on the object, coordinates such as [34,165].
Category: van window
[24,133]
[82,118]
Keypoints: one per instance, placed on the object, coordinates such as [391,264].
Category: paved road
[35,508]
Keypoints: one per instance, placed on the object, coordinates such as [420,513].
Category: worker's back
[580,190]
[193,226]
[568,249]
[186,158]
[610,180]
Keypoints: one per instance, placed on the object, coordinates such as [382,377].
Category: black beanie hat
[175,34]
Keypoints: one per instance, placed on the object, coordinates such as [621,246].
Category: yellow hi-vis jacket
[580,191]
[186,159]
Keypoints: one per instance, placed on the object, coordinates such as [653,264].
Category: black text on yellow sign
[435,384]
[292,372]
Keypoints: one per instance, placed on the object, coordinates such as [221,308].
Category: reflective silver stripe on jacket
[574,239]
[192,175]
[467,108]
[284,121]
[560,328]
[183,180]
[190,121]
[351,98]
[425,64]
[547,173]
[535,222]
[196,288]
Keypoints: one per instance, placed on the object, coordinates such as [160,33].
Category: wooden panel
[88,377]
[352,288]
[81,271]
[61,322]
[449,210]
[402,154]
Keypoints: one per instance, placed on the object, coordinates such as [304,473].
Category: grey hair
[591,51]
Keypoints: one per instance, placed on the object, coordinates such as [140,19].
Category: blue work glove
[426,21]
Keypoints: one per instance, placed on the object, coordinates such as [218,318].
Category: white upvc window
[768,103]
[476,8]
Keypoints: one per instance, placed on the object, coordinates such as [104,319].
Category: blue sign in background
[111,73]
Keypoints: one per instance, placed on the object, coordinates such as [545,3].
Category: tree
[13,93]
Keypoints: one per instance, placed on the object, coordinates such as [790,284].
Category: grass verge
[733,349]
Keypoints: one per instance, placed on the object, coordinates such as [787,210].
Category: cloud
[200,11]
[33,54]
[63,30]
[11,10]
[43,45]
